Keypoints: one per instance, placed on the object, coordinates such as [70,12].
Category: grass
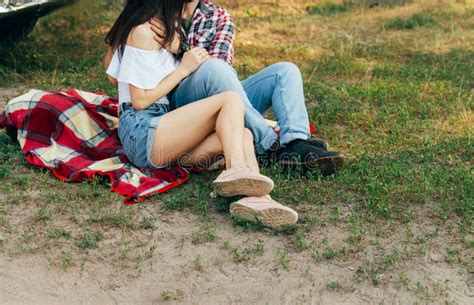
[172,295]
[243,255]
[89,241]
[328,8]
[331,286]
[416,20]
[148,223]
[391,87]
[283,258]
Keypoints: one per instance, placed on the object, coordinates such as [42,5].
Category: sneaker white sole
[252,187]
[274,218]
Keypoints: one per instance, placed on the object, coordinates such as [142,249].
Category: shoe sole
[244,186]
[274,218]
[327,166]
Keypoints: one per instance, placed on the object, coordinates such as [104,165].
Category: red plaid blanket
[74,134]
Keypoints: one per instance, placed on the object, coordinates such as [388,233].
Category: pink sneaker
[264,209]
[242,181]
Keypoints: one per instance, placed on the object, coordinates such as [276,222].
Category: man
[279,87]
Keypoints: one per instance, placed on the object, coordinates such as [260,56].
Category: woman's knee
[234,101]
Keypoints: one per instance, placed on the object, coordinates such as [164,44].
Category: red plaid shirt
[212,28]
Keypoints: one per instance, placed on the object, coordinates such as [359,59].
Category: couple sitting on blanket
[181,102]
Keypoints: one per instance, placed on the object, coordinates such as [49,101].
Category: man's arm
[222,45]
[106,62]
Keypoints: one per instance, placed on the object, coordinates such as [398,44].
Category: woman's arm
[108,58]
[192,60]
[106,62]
[142,37]
[142,98]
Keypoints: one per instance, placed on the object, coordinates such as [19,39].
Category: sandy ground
[30,279]
[214,278]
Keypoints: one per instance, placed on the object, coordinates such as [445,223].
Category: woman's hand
[192,60]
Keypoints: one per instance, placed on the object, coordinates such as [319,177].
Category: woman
[153,137]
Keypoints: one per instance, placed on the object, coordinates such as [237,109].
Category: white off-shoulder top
[144,69]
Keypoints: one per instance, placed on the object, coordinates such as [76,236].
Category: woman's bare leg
[242,181]
[183,129]
[249,151]
[205,154]
[231,138]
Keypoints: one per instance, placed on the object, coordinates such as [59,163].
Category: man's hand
[159,29]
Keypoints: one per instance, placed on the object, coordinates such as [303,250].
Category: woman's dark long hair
[137,12]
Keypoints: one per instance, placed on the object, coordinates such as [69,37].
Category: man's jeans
[279,86]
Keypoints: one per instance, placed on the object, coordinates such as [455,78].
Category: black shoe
[270,156]
[303,154]
[319,143]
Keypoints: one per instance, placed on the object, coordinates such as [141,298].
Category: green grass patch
[67,260]
[168,295]
[60,233]
[240,255]
[116,220]
[5,171]
[334,285]
[456,67]
[329,8]
[283,258]
[148,223]
[89,241]
[415,21]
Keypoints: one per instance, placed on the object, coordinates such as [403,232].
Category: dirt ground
[215,279]
[205,273]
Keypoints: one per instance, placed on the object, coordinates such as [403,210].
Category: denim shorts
[137,132]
